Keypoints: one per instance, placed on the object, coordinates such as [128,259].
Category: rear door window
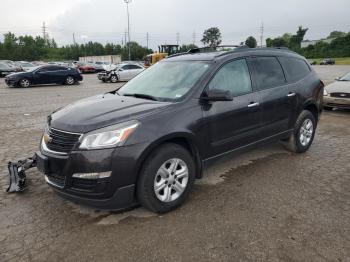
[268,73]
[294,68]
[234,77]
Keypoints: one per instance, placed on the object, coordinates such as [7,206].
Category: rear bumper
[336,102]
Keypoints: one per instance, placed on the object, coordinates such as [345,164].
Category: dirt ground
[265,205]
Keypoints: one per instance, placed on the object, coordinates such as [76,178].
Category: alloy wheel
[171,180]
[70,80]
[25,83]
[306,132]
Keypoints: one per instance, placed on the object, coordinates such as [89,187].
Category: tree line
[338,47]
[37,48]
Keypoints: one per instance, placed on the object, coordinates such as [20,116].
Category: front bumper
[336,102]
[116,192]
[11,82]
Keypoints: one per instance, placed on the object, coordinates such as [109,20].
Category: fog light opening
[92,175]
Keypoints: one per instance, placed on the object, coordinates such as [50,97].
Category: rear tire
[166,178]
[70,80]
[24,83]
[303,134]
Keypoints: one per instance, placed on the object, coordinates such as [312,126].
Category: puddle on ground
[214,174]
[114,219]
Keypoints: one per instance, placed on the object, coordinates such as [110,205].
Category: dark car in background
[327,61]
[51,74]
[147,142]
[5,69]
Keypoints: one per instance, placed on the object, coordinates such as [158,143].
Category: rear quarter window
[294,68]
[268,73]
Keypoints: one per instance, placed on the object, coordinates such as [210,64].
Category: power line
[147,39]
[261,34]
[44,31]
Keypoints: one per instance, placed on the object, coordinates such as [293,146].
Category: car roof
[238,52]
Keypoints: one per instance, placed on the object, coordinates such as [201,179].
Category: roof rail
[214,48]
[282,47]
[178,54]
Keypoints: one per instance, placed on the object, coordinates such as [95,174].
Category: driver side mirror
[119,70]
[217,95]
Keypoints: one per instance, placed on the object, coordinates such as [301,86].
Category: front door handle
[291,94]
[253,104]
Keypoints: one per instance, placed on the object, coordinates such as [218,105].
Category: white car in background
[128,71]
[26,66]
[123,72]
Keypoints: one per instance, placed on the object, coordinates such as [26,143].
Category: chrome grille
[340,95]
[62,141]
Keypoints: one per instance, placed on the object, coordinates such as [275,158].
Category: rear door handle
[253,104]
[291,94]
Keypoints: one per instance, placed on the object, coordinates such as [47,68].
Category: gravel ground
[265,205]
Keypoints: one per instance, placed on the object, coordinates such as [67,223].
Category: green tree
[212,37]
[295,40]
[251,42]
[336,34]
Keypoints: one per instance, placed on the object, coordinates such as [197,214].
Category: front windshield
[166,81]
[345,78]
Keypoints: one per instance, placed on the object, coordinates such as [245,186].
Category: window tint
[233,77]
[126,67]
[268,72]
[294,68]
[134,67]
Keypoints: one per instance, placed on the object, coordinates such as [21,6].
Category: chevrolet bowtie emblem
[47,138]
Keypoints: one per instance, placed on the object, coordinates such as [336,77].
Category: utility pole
[261,34]
[74,39]
[44,31]
[147,39]
[125,36]
[177,38]
[194,37]
[127,9]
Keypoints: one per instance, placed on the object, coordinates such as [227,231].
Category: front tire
[303,134]
[166,178]
[114,79]
[24,83]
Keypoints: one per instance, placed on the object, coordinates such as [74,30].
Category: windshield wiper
[142,96]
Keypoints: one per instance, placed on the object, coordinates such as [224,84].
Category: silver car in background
[337,94]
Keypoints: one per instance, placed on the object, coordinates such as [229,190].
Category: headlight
[325,93]
[108,137]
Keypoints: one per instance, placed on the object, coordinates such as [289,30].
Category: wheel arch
[186,140]
[313,108]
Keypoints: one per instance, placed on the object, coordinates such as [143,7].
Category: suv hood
[102,110]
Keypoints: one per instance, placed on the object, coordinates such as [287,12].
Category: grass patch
[338,61]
